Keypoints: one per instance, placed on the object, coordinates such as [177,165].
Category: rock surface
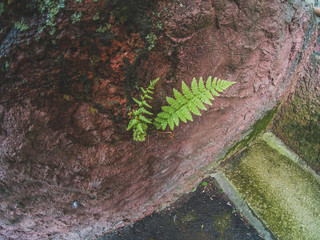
[68,167]
[298,121]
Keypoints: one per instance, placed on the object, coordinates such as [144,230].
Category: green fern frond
[140,131]
[184,104]
[139,122]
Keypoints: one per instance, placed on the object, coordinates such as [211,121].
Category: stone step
[270,183]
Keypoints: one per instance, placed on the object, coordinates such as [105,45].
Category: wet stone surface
[283,194]
[204,214]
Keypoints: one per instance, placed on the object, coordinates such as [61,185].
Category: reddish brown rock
[69,169]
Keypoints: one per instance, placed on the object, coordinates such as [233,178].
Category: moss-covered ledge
[283,195]
[255,131]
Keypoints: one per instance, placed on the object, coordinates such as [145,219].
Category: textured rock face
[69,169]
[298,121]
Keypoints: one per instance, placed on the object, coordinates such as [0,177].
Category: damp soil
[204,214]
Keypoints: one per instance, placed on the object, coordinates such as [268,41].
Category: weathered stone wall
[298,122]
[69,169]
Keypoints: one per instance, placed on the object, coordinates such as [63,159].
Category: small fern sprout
[189,101]
[139,122]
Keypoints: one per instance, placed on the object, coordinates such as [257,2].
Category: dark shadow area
[204,214]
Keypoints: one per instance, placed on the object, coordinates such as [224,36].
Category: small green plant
[189,101]
[7,66]
[159,25]
[139,123]
[52,31]
[49,9]
[104,28]
[96,17]
[21,26]
[76,17]
[180,107]
[151,40]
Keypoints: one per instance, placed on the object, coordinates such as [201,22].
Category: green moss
[276,144]
[180,219]
[189,217]
[257,129]
[298,124]
[221,222]
[282,194]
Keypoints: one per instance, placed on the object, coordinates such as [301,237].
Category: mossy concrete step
[277,187]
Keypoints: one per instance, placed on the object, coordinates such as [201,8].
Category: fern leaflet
[184,104]
[139,122]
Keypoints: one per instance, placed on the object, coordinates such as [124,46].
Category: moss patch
[299,126]
[181,219]
[282,194]
[258,128]
[189,217]
[221,222]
